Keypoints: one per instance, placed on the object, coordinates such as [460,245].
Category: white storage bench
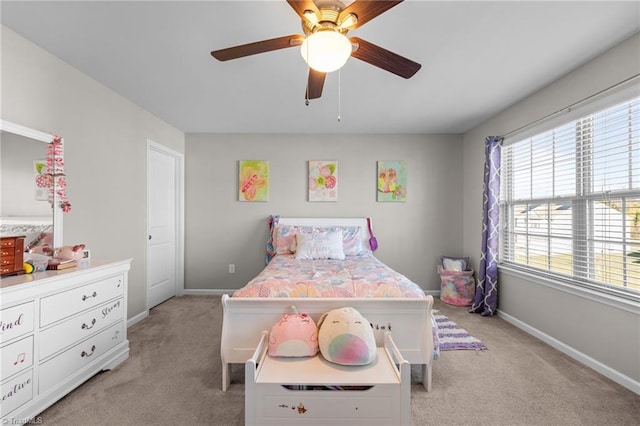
[313,391]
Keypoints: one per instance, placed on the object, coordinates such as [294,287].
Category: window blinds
[570,200]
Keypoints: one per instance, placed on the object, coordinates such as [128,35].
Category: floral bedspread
[357,276]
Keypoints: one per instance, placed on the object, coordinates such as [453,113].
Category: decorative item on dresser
[57,329]
[12,249]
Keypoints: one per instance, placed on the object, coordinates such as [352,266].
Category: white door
[164,215]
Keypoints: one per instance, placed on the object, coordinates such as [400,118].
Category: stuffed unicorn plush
[295,335]
[346,337]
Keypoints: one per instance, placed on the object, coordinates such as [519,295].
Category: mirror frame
[17,129]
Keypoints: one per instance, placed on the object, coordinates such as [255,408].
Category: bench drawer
[376,405]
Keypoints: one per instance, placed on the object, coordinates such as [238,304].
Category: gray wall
[599,331]
[413,235]
[105,139]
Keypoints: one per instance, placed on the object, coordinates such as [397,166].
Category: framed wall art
[253,184]
[392,180]
[40,169]
[323,180]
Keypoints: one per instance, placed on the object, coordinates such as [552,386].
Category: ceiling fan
[324,45]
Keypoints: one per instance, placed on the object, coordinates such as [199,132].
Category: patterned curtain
[271,250]
[485,301]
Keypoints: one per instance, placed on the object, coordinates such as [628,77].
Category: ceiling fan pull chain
[306,92]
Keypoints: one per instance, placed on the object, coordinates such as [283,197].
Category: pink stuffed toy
[70,252]
[295,335]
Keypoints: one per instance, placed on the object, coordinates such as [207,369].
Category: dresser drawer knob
[88,354]
[88,327]
[85,297]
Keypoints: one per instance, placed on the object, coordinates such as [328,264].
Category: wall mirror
[24,208]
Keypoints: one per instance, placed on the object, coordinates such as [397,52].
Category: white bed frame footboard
[408,320]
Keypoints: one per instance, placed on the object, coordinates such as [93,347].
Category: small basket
[456,287]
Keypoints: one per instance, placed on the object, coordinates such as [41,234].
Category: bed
[392,303]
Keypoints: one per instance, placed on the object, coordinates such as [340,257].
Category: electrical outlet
[232,268]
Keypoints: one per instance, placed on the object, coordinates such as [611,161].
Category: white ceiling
[477,58]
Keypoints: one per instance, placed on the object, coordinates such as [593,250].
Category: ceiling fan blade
[301,5]
[382,58]
[315,84]
[366,10]
[257,47]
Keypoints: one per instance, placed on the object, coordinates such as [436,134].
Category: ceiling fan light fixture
[326,50]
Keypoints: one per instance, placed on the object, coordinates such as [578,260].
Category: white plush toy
[346,337]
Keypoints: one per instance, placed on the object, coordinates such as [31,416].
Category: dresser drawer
[16,321]
[80,327]
[16,392]
[9,242]
[7,253]
[9,260]
[7,269]
[57,369]
[62,305]
[16,357]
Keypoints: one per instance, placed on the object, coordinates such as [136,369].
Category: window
[570,201]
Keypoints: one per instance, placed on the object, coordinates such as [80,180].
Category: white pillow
[453,264]
[319,245]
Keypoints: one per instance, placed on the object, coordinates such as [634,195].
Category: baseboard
[594,364]
[137,318]
[205,292]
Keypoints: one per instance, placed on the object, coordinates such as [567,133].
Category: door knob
[149,236]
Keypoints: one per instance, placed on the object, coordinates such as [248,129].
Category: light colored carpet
[173,377]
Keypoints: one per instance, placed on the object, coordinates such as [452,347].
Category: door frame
[179,217]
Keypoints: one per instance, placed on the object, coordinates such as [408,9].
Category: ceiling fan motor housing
[329,18]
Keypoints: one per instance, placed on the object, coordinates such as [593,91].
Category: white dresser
[57,329]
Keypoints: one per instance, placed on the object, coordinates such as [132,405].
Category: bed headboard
[325,222]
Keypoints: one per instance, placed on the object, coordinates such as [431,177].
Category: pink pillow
[352,241]
[285,239]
